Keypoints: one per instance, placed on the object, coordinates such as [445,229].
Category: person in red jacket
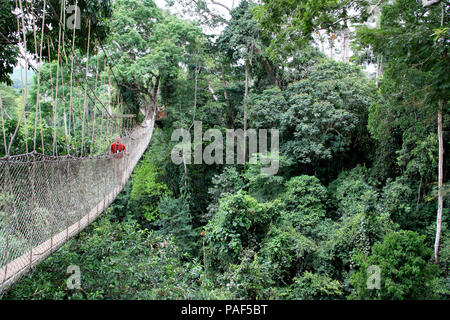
[118,150]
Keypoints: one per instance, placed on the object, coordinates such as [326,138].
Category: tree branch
[427,3]
[222,5]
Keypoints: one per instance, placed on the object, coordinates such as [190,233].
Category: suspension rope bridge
[47,198]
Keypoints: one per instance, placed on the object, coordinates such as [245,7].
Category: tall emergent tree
[298,21]
[241,39]
[147,45]
[414,39]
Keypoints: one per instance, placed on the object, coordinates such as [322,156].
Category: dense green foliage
[406,274]
[358,160]
[111,256]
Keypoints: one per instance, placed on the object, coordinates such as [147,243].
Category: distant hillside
[16,77]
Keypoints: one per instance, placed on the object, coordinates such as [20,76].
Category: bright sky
[228,3]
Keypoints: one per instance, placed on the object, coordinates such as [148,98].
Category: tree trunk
[331,41]
[277,78]
[152,92]
[245,108]
[441,166]
[267,67]
[197,70]
[379,69]
[322,46]
[185,171]
[269,71]
[345,46]
[155,91]
[440,183]
[230,119]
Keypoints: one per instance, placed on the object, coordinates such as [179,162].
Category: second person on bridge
[118,150]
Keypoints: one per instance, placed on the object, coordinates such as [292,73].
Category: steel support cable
[61,26]
[55,103]
[38,77]
[58,66]
[73,53]
[94,109]
[3,123]
[71,75]
[25,93]
[85,89]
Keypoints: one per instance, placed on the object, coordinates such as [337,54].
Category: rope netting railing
[46,200]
